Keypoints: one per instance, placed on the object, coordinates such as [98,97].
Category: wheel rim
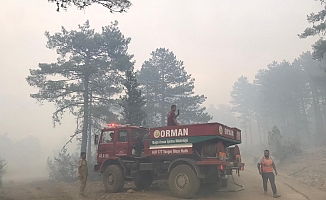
[182,181]
[110,179]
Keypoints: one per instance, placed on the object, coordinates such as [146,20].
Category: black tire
[143,180]
[113,179]
[224,182]
[185,175]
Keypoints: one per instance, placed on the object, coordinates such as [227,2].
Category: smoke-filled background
[228,47]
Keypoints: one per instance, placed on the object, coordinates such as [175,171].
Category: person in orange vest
[266,167]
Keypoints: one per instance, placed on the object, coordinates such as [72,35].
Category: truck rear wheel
[183,181]
[143,180]
[113,179]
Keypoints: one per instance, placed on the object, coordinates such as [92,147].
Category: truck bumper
[227,165]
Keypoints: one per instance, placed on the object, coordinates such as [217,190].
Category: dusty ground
[300,178]
[308,168]
[288,187]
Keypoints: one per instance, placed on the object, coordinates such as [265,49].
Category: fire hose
[234,190]
[211,150]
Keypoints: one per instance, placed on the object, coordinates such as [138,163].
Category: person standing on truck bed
[266,167]
[82,173]
[172,117]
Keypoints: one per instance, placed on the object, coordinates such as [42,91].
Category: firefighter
[266,166]
[172,117]
[82,173]
[111,136]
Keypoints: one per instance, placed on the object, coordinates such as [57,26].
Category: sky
[219,41]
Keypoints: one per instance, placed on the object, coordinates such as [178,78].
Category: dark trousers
[271,178]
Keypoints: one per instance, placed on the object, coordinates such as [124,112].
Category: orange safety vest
[267,165]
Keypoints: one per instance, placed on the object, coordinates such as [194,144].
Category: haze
[218,41]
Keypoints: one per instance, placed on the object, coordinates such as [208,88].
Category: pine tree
[63,167]
[317,20]
[89,69]
[242,99]
[165,82]
[133,102]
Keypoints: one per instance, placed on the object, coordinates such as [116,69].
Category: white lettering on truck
[228,132]
[172,133]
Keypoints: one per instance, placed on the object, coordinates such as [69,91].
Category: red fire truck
[187,156]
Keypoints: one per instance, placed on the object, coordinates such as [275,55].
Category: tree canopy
[165,82]
[222,114]
[289,95]
[89,69]
[318,21]
[133,101]
[63,167]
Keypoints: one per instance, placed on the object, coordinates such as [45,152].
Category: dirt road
[250,179]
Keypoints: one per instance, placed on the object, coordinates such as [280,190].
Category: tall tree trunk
[149,119]
[317,112]
[250,130]
[163,119]
[259,132]
[265,130]
[306,122]
[163,111]
[85,121]
[246,136]
[89,149]
[246,133]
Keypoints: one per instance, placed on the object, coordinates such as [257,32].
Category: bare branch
[70,140]
[113,5]
[55,116]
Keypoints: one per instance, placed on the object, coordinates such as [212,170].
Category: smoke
[26,158]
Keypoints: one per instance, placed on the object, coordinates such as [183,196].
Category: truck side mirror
[96,140]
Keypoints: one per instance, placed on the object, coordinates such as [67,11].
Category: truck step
[128,161]
[129,178]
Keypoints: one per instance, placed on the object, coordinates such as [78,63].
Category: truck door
[106,147]
[121,147]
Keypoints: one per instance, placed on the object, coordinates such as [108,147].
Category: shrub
[63,167]
[3,165]
[281,147]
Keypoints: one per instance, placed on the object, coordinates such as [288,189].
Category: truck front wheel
[183,181]
[143,180]
[113,179]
